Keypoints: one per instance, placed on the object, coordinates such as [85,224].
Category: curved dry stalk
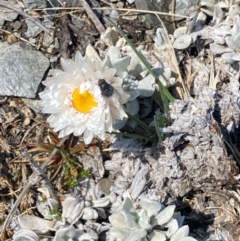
[93,16]
[76,9]
[21,12]
[33,179]
[225,209]
[182,91]
[173,11]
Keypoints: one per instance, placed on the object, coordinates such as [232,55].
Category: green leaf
[164,93]
[148,129]
[156,124]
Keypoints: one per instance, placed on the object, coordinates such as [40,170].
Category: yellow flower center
[83,102]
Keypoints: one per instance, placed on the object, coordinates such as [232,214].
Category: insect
[106,88]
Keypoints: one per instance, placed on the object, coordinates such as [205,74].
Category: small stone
[47,23]
[11,38]
[154,5]
[120,4]
[32,29]
[53,59]
[49,50]
[104,186]
[47,39]
[32,40]
[21,70]
[150,32]
[17,25]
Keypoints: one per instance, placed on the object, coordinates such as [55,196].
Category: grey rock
[17,25]
[8,15]
[155,5]
[53,59]
[33,30]
[120,4]
[181,7]
[21,70]
[35,3]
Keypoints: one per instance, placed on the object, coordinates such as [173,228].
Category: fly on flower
[106,88]
[75,98]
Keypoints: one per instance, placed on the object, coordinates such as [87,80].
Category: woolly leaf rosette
[77,104]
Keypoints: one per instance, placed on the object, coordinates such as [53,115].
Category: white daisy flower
[86,98]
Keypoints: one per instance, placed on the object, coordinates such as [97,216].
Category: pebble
[47,39]
[21,70]
[56,43]
[53,59]
[17,25]
[33,30]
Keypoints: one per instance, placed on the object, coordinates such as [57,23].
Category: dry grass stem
[76,9]
[182,91]
[93,17]
[213,79]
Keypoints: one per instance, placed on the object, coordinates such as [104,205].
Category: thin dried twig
[173,11]
[145,11]
[93,17]
[21,12]
[33,179]
[83,38]
[183,90]
[65,36]
[76,9]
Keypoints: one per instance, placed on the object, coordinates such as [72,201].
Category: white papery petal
[83,73]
